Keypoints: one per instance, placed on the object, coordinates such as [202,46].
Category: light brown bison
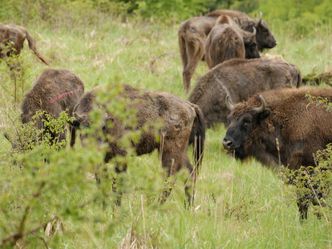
[177,118]
[55,91]
[227,40]
[264,36]
[12,38]
[193,33]
[281,127]
[240,79]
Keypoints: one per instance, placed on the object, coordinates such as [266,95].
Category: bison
[281,127]
[227,40]
[264,36]
[55,91]
[240,79]
[12,38]
[176,117]
[192,36]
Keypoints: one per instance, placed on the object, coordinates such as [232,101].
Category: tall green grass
[238,205]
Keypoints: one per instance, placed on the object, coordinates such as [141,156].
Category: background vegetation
[50,195]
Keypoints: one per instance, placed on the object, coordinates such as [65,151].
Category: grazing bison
[12,38]
[240,79]
[281,127]
[227,40]
[264,36]
[193,33]
[177,118]
[55,91]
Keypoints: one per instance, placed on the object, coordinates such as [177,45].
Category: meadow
[237,205]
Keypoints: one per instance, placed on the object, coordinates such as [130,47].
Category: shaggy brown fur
[264,36]
[225,41]
[287,130]
[240,79]
[192,36]
[12,38]
[55,90]
[177,119]
[193,33]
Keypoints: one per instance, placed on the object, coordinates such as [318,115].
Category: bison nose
[227,143]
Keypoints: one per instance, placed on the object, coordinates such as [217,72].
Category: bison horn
[254,31]
[262,106]
[229,103]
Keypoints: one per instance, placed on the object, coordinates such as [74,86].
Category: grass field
[238,205]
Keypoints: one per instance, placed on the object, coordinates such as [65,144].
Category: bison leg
[15,72]
[168,164]
[303,206]
[195,52]
[120,168]
[190,184]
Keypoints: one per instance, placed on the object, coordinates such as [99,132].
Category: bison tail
[32,46]
[197,137]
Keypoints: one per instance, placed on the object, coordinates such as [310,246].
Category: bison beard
[281,127]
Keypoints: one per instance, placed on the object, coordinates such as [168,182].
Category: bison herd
[261,102]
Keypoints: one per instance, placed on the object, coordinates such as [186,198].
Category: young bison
[177,118]
[55,91]
[281,127]
[193,33]
[12,38]
[240,79]
[264,36]
[227,40]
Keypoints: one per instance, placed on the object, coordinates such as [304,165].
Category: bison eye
[246,123]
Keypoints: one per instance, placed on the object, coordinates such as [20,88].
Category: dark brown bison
[193,33]
[281,127]
[55,91]
[12,38]
[264,36]
[227,40]
[177,119]
[240,79]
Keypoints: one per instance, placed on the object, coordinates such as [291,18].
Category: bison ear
[263,115]
[259,23]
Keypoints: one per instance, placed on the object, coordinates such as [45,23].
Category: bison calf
[193,33]
[264,36]
[281,127]
[55,91]
[227,40]
[177,119]
[240,79]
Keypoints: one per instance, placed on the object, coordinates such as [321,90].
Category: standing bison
[240,79]
[281,127]
[264,36]
[227,40]
[177,119]
[55,91]
[12,38]
[193,33]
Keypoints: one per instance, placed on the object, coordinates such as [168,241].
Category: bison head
[242,124]
[264,36]
[250,45]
